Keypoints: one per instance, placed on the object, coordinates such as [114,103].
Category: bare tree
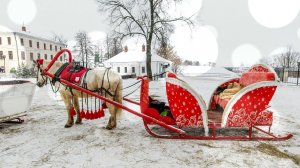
[287,59]
[146,18]
[266,60]
[188,62]
[59,38]
[166,51]
[113,46]
[84,46]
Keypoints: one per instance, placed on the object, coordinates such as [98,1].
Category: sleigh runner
[246,109]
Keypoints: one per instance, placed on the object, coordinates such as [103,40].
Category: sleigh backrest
[187,107]
[144,95]
[258,73]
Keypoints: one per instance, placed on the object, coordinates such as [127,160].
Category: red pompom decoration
[104,105]
[102,113]
[88,115]
[82,113]
[72,111]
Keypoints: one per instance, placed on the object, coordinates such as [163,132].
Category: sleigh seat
[249,77]
[248,106]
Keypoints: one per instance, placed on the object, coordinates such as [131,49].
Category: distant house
[133,62]
[23,47]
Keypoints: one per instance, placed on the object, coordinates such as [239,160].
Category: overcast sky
[231,32]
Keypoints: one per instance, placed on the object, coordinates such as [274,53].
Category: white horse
[112,81]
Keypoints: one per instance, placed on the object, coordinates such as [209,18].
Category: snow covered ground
[42,140]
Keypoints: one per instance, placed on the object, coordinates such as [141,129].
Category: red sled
[245,111]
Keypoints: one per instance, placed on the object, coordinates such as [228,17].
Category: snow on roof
[30,35]
[207,71]
[134,56]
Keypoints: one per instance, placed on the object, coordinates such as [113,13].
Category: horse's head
[41,65]
[40,78]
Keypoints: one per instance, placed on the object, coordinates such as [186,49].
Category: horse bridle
[45,79]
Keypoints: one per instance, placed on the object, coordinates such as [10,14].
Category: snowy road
[42,140]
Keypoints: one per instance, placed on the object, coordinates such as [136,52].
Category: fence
[288,75]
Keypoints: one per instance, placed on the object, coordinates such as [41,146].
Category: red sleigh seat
[187,107]
[248,106]
[249,77]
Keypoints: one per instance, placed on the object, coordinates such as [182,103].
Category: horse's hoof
[68,126]
[78,122]
[109,127]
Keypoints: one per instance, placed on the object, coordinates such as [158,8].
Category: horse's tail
[118,96]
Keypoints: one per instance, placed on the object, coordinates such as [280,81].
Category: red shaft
[131,101]
[56,57]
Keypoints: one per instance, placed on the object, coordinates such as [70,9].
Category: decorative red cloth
[73,77]
[221,102]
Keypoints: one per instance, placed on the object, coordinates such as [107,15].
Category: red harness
[73,76]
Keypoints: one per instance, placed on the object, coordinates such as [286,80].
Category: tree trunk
[149,41]
[148,60]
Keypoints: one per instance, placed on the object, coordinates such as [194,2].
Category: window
[118,69]
[60,58]
[38,44]
[22,42]
[45,47]
[22,55]
[50,47]
[51,57]
[31,56]
[55,48]
[8,40]
[45,57]
[10,55]
[1,53]
[59,48]
[0,41]
[125,69]
[30,43]
[133,69]
[143,69]
[39,56]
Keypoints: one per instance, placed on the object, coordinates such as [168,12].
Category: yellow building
[23,47]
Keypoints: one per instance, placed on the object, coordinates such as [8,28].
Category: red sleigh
[247,109]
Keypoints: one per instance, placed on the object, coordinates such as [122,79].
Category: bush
[24,72]
[13,70]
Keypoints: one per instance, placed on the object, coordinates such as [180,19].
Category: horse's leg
[115,111]
[67,100]
[76,106]
[118,99]
[112,119]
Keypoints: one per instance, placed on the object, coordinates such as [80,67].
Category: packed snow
[42,140]
[207,71]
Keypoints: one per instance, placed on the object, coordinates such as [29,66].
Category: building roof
[134,56]
[30,35]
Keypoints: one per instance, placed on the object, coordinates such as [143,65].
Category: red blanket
[73,77]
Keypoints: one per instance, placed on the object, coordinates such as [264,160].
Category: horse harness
[76,74]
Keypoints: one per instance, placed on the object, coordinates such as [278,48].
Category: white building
[22,47]
[133,62]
